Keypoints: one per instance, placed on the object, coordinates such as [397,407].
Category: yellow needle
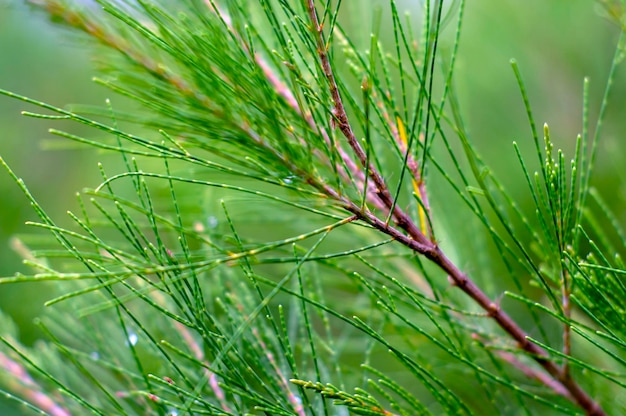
[420,208]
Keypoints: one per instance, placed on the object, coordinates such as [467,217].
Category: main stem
[382,191]
[418,242]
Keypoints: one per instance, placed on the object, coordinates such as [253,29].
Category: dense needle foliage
[300,223]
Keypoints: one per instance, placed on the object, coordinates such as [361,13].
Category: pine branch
[418,242]
[261,111]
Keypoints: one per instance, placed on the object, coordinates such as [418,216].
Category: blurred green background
[42,62]
[556,42]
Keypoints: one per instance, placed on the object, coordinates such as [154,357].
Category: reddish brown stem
[460,279]
[339,112]
[418,242]
[537,375]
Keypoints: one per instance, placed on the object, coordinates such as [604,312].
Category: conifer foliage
[276,237]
